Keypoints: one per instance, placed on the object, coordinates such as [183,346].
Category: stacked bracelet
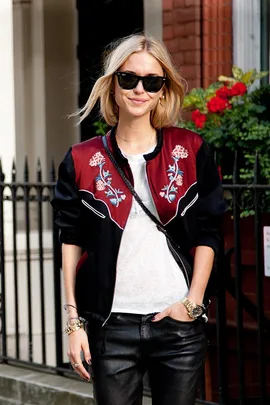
[76,324]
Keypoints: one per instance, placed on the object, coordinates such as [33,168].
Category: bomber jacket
[93,203]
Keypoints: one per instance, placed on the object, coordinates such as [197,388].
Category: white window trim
[153,18]
[246,34]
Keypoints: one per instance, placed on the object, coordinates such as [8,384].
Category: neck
[136,136]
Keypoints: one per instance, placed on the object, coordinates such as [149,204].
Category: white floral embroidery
[180,152]
[104,180]
[179,180]
[175,175]
[100,185]
[97,159]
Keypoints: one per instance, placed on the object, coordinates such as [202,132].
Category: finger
[161,315]
[86,352]
[78,367]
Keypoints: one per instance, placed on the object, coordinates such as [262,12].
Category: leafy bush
[232,117]
[232,114]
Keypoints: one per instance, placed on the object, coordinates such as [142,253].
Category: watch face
[197,311]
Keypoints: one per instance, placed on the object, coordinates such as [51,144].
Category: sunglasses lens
[127,81]
[152,84]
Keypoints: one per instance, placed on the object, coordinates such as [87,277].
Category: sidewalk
[20,386]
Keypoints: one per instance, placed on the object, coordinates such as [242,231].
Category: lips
[137,100]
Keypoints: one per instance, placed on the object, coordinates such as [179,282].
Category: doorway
[99,23]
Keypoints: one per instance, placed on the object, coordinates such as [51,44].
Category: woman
[144,312]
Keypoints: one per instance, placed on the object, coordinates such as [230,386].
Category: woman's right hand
[77,343]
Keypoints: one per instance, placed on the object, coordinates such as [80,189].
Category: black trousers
[172,352]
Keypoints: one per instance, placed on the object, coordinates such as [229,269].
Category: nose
[139,88]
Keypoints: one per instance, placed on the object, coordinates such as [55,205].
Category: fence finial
[26,170]
[52,172]
[2,176]
[13,171]
[39,171]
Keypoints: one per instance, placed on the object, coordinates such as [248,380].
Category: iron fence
[31,328]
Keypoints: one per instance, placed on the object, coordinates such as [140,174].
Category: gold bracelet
[73,326]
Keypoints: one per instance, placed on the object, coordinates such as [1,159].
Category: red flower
[224,92]
[217,104]
[238,89]
[198,118]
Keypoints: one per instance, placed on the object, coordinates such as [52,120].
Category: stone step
[21,386]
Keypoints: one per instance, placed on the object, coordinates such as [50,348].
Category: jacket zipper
[106,320]
[184,270]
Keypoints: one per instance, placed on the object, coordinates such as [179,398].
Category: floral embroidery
[175,175]
[104,180]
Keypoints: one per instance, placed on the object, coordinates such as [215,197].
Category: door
[99,23]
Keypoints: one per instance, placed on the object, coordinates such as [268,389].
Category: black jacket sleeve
[211,203]
[66,203]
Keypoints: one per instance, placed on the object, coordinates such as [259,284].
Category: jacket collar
[117,152]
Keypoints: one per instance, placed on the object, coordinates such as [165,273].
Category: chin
[138,112]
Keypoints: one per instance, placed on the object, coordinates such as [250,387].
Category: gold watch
[73,326]
[194,310]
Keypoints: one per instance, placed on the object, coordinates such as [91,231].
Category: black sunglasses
[128,81]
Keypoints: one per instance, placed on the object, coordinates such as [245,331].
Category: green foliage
[101,127]
[248,78]
[198,97]
[243,126]
[240,128]
[261,97]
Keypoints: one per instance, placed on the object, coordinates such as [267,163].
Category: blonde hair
[167,112]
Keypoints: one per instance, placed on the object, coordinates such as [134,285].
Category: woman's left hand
[176,311]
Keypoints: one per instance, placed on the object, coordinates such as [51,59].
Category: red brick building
[198,33]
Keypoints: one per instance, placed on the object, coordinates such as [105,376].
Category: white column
[153,18]
[38,86]
[7,96]
[23,83]
[7,120]
[246,34]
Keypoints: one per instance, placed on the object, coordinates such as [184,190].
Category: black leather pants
[172,352]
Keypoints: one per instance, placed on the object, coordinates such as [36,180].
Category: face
[138,102]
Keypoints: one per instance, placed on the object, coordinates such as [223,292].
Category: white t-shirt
[148,278]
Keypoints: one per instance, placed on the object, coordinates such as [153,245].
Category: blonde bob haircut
[167,112]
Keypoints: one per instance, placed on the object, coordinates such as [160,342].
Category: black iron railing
[25,208]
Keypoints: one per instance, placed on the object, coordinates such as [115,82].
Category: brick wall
[182,36]
[198,33]
[216,39]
